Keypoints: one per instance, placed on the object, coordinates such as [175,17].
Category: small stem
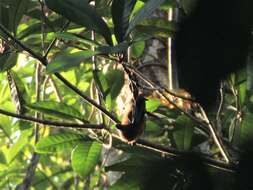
[86,98]
[141,143]
[161,90]
[206,122]
[51,45]
[53,123]
[56,90]
[218,120]
[217,141]
[43,60]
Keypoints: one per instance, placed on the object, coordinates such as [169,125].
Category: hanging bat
[133,121]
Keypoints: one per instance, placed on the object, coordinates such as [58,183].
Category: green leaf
[137,49]
[8,60]
[246,127]
[130,164]
[241,86]
[133,169]
[126,183]
[73,37]
[143,173]
[157,27]
[144,13]
[101,82]
[85,157]
[58,142]
[121,11]
[35,28]
[57,109]
[119,48]
[2,158]
[6,125]
[110,85]
[80,12]
[63,62]
[250,75]
[153,128]
[152,104]
[18,145]
[116,80]
[17,12]
[12,12]
[188,5]
[17,91]
[183,133]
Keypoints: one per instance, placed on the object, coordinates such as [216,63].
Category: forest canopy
[91,94]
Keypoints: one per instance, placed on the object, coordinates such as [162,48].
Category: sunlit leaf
[18,145]
[137,49]
[57,109]
[152,104]
[144,13]
[17,91]
[59,142]
[85,157]
[63,62]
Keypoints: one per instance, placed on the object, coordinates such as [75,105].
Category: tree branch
[204,123]
[53,123]
[140,142]
[43,60]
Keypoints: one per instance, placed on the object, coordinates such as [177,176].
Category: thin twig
[30,171]
[51,45]
[77,91]
[151,64]
[161,92]
[56,90]
[53,123]
[43,60]
[215,136]
[206,122]
[176,153]
[218,120]
[46,178]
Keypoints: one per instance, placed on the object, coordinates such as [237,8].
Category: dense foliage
[62,68]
